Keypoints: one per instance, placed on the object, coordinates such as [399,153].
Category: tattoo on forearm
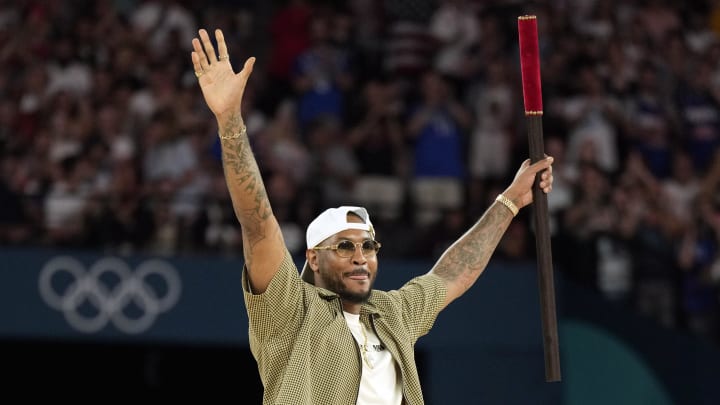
[468,256]
[245,184]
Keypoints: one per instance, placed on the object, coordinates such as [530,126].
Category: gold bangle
[236,135]
[507,203]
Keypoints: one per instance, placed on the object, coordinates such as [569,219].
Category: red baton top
[530,64]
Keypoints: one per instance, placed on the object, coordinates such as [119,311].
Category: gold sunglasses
[346,248]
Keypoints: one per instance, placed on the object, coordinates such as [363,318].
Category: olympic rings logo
[111,291]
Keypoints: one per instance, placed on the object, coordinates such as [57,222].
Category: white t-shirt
[380,381]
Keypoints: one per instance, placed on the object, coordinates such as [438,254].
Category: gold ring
[198,74]
[224,57]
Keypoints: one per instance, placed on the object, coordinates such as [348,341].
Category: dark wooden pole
[543,248]
[530,67]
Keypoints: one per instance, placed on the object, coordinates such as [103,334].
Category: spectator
[456,29]
[379,147]
[321,76]
[437,128]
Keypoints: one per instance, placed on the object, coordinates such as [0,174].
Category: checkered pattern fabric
[305,351]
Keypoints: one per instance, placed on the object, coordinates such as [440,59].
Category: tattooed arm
[463,262]
[263,245]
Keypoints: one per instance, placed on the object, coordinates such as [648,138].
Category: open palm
[222,88]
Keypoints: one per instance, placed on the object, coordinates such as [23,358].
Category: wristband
[236,135]
[507,203]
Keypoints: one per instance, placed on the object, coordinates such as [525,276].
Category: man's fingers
[196,62]
[208,46]
[248,68]
[199,55]
[545,180]
[547,161]
[541,164]
[222,46]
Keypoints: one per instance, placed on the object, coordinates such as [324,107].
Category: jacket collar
[368,307]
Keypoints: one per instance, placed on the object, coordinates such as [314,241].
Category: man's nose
[358,257]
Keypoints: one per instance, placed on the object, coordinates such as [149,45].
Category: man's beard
[335,284]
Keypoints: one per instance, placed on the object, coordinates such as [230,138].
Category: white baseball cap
[327,224]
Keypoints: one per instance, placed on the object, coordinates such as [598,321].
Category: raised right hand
[222,88]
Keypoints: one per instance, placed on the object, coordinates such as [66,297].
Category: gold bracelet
[509,204]
[236,135]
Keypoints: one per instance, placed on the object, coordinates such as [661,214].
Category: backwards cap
[330,222]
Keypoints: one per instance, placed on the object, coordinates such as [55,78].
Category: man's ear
[312,258]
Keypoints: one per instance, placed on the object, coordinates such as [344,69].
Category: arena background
[120,258]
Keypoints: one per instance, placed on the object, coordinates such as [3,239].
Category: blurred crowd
[411,108]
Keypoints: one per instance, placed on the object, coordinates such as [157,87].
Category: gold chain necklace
[364,346]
